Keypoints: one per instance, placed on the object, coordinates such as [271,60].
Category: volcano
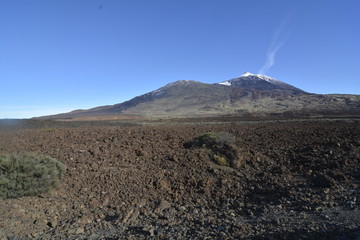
[248,94]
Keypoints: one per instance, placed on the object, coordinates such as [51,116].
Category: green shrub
[28,174]
[221,145]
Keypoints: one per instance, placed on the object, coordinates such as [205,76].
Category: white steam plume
[277,42]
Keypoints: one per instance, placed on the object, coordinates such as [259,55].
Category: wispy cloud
[279,38]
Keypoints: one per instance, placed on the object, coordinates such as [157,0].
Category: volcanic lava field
[293,179]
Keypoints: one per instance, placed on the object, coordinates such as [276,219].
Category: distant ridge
[247,94]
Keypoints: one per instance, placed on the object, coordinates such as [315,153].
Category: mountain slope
[248,94]
[179,98]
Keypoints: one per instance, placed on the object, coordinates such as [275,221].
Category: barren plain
[295,179]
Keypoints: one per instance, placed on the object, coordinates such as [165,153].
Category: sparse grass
[28,174]
[212,139]
[221,145]
[221,160]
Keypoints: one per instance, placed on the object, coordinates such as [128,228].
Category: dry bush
[28,174]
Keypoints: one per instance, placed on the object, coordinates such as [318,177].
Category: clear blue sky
[62,55]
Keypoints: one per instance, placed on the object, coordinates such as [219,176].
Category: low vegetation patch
[221,146]
[49,130]
[28,174]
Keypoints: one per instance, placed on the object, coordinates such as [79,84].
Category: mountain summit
[248,94]
[259,82]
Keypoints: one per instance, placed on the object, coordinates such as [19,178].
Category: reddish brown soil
[296,179]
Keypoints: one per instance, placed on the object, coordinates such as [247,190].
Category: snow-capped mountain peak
[259,76]
[247,74]
[258,81]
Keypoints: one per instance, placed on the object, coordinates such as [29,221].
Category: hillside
[247,94]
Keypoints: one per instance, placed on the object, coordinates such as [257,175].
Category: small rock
[321,180]
[22,211]
[134,216]
[162,206]
[142,203]
[318,209]
[85,220]
[220,228]
[131,216]
[106,202]
[94,203]
[79,230]
[182,208]
[33,234]
[52,223]
[94,166]
[151,231]
[41,222]
[351,204]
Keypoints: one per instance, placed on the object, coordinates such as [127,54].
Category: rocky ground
[293,180]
